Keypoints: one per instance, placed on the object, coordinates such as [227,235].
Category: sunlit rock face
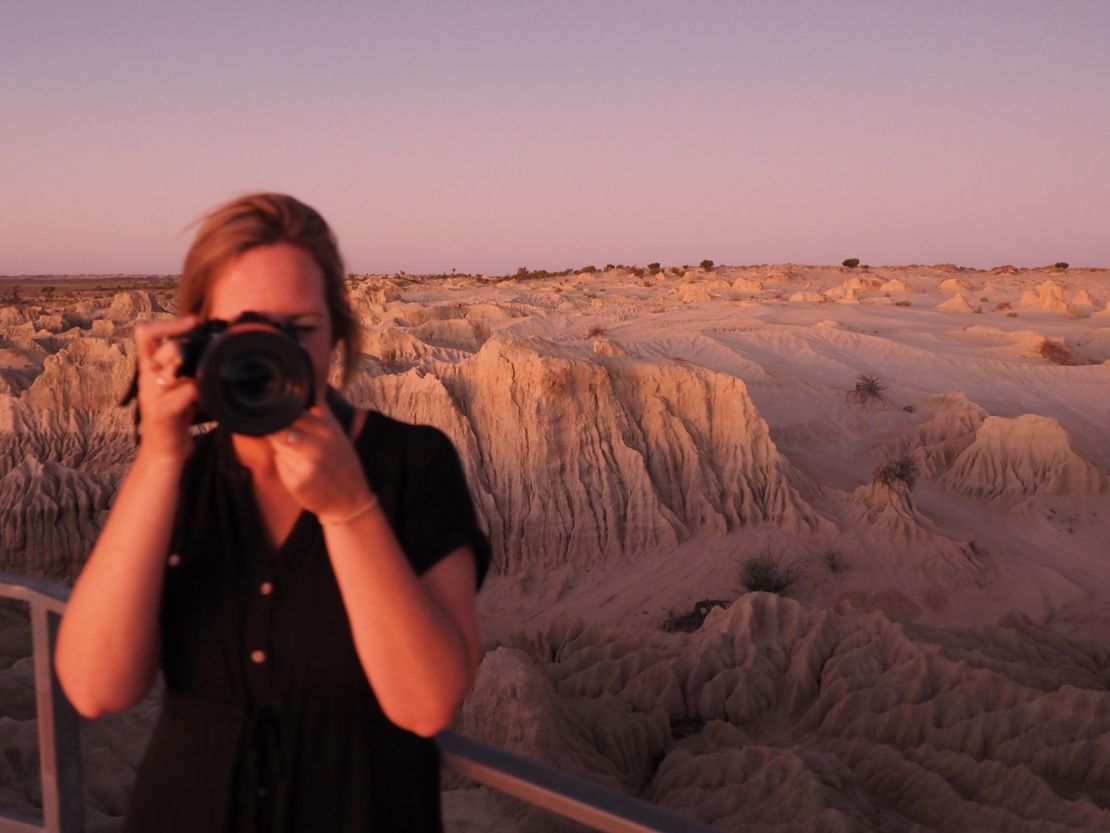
[1023,456]
[585,458]
[633,442]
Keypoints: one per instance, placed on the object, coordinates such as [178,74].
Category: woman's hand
[318,465]
[167,402]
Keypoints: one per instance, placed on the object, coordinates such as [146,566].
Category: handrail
[558,791]
[59,741]
[60,759]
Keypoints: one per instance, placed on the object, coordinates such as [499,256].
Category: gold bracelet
[358,513]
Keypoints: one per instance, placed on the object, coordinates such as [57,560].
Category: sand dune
[632,440]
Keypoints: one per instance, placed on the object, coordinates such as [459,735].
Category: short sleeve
[438,512]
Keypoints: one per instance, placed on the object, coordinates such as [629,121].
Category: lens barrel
[255,382]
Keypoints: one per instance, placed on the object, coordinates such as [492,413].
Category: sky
[485,136]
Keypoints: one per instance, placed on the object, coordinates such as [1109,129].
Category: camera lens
[252,380]
[255,382]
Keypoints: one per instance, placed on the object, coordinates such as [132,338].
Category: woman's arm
[416,636]
[108,641]
[107,650]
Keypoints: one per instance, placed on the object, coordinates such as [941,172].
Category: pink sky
[486,136]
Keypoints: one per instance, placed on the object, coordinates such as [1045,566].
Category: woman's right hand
[167,401]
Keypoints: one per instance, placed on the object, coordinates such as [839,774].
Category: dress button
[174,560]
[258,657]
[266,588]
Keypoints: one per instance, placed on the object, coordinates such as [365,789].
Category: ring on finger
[161,382]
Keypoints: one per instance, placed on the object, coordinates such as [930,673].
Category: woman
[309,595]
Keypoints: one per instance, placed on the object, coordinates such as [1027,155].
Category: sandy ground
[921,452]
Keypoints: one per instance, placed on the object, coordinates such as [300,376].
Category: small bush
[587,270]
[595,331]
[903,470]
[1061,265]
[851,262]
[867,388]
[1001,305]
[901,303]
[1058,353]
[636,271]
[1011,315]
[654,268]
[522,271]
[766,573]
[707,265]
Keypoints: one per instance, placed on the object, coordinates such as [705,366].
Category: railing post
[59,737]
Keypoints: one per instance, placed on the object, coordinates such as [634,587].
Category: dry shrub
[1058,353]
[595,331]
[1001,305]
[765,573]
[899,470]
[867,389]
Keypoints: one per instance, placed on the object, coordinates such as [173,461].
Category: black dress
[268,721]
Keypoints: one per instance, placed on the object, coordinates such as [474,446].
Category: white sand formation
[86,373]
[747,285]
[863,283]
[774,716]
[808,298]
[646,454]
[957,303]
[935,443]
[914,542]
[1023,456]
[843,293]
[137,305]
[516,707]
[1049,296]
[954,286]
[692,293]
[53,514]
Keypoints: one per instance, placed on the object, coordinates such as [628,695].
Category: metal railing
[60,759]
[59,749]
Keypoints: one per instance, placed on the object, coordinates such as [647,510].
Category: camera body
[254,375]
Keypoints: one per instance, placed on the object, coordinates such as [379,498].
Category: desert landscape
[778,547]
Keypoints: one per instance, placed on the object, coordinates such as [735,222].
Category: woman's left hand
[318,465]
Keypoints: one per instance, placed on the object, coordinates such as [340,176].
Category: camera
[253,374]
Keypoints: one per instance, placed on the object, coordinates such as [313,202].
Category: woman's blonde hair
[261,220]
